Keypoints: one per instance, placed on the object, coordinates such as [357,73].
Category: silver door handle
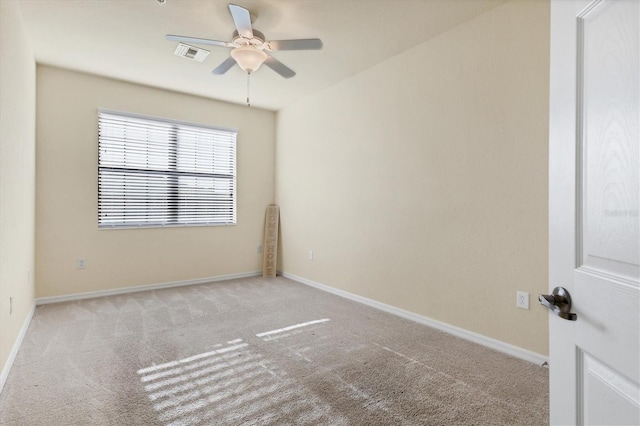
[559,303]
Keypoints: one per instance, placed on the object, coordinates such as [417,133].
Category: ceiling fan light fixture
[248,58]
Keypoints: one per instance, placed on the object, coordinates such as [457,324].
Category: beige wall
[67,171]
[422,182]
[17,175]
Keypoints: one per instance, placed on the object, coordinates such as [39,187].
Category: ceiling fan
[250,46]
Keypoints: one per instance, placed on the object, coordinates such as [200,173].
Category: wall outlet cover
[522,300]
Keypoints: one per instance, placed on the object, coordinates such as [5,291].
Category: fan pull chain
[248,89]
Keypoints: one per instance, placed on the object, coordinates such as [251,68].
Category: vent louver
[191,52]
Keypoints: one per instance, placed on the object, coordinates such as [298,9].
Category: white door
[594,223]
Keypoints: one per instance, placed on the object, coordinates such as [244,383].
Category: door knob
[559,303]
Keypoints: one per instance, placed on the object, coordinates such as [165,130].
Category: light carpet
[257,351]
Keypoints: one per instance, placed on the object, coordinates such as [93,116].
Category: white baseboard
[503,347]
[16,346]
[135,289]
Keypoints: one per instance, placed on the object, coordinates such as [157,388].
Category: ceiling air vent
[191,52]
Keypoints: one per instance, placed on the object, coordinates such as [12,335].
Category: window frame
[173,197]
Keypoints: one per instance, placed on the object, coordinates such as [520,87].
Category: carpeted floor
[257,351]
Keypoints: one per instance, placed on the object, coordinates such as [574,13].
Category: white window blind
[159,173]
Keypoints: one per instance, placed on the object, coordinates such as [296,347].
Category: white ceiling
[124,39]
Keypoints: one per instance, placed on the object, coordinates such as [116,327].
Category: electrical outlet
[522,300]
[259,248]
[81,263]
[310,254]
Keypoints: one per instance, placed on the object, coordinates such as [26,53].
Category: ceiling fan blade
[302,44]
[225,66]
[279,67]
[197,40]
[242,19]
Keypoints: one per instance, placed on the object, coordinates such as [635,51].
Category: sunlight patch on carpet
[292,327]
[144,371]
[232,384]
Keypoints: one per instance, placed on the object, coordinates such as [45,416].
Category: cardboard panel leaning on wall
[423,185]
[17,176]
[67,182]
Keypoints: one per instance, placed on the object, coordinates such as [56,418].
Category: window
[154,172]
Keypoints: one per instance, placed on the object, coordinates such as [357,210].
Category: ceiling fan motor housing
[257,40]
